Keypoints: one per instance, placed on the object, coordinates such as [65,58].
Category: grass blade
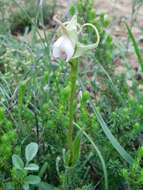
[125,155]
[111,137]
[136,47]
[98,153]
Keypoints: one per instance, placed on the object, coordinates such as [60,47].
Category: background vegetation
[34,93]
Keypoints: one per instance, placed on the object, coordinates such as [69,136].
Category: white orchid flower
[67,45]
[63,48]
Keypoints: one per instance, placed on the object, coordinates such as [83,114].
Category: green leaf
[17,162]
[21,92]
[32,180]
[136,47]
[31,151]
[25,187]
[43,169]
[76,149]
[98,153]
[9,186]
[46,186]
[32,167]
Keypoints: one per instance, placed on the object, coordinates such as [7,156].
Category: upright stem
[72,102]
[71,112]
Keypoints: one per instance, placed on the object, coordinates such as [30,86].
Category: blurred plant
[136,4]
[8,139]
[85,188]
[84,8]
[4,10]
[21,20]
[134,175]
[35,94]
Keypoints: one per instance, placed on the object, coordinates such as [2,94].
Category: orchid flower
[67,46]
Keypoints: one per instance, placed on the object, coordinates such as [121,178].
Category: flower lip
[63,48]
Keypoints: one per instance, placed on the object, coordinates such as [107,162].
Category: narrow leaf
[112,139]
[125,155]
[43,169]
[136,47]
[76,149]
[98,153]
[21,93]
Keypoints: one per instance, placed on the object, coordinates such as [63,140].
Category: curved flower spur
[67,46]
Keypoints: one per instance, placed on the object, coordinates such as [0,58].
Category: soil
[120,11]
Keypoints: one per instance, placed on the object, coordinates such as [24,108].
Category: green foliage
[85,10]
[8,138]
[20,171]
[134,175]
[31,151]
[85,188]
[18,17]
[34,95]
[31,13]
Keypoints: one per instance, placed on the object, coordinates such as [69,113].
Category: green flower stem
[72,101]
[69,173]
[71,112]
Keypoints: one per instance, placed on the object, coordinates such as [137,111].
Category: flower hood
[67,46]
